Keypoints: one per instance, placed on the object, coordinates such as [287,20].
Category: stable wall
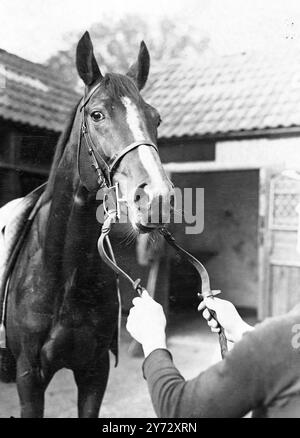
[25,159]
[186,150]
[283,152]
[228,243]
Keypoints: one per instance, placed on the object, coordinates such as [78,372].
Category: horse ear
[140,69]
[86,63]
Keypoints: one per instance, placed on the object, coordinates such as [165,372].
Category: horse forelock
[118,85]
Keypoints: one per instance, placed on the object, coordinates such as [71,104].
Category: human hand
[147,322]
[228,317]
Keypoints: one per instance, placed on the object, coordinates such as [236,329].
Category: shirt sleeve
[231,388]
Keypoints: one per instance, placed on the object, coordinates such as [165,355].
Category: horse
[62,308]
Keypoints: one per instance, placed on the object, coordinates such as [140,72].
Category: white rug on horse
[13,216]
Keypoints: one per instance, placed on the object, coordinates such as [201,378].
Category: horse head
[122,135]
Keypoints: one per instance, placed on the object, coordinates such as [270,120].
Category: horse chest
[70,347]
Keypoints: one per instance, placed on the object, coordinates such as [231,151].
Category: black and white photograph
[149,211]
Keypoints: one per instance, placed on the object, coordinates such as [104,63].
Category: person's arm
[229,389]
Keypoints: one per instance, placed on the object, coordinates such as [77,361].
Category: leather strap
[203,274]
[88,96]
[206,290]
[103,177]
[129,148]
[109,259]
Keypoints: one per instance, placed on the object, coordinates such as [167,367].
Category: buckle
[111,204]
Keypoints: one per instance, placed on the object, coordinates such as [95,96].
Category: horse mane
[60,148]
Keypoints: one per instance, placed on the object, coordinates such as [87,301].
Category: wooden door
[279,257]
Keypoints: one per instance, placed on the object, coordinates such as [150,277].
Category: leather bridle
[103,168]
[105,171]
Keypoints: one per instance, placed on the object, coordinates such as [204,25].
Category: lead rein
[108,257]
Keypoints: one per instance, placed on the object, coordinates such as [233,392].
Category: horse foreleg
[31,389]
[91,384]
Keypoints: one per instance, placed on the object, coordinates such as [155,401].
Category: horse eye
[97,116]
[159,121]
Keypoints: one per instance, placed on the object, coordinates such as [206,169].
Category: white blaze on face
[150,164]
[132,118]
[148,159]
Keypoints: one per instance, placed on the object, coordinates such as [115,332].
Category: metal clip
[83,129]
[211,294]
[116,207]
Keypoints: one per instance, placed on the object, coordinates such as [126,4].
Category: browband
[88,96]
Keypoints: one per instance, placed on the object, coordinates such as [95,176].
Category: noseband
[105,171]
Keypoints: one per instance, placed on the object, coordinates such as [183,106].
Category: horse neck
[72,228]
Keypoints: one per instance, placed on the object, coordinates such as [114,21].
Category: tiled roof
[31,94]
[211,96]
[226,95]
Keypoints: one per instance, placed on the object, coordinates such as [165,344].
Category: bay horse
[62,309]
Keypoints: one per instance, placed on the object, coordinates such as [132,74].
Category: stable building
[34,106]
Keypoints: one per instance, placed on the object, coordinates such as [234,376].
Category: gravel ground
[193,348]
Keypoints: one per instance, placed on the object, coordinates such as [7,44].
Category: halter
[105,171]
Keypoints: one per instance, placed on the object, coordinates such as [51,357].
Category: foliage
[116,44]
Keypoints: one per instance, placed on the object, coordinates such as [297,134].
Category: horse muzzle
[153,207]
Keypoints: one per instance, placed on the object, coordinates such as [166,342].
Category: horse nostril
[140,196]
